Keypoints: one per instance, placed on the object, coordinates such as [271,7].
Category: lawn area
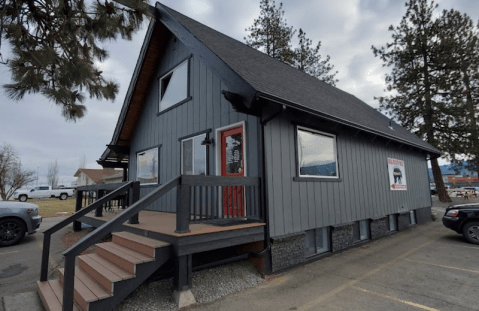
[54,207]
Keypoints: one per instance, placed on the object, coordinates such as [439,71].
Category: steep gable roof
[277,81]
[258,74]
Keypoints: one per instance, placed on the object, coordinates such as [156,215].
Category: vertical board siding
[362,193]
[208,109]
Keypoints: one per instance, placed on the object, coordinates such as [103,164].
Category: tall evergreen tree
[55,47]
[460,55]
[308,59]
[418,101]
[270,33]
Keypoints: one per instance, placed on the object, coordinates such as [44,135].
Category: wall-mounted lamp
[207,141]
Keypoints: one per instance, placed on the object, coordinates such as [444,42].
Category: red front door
[232,164]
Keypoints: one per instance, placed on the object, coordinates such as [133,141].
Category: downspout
[267,239]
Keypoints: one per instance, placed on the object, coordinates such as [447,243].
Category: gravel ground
[208,285]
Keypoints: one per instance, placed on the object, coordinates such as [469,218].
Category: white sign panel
[397,174]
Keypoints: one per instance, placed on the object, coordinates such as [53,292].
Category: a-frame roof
[278,82]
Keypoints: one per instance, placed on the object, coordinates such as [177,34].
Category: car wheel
[63,196]
[471,232]
[11,231]
[23,198]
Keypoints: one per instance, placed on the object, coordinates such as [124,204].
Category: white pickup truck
[43,192]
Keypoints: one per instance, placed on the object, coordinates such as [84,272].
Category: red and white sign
[397,174]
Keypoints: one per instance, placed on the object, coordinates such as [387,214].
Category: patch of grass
[54,207]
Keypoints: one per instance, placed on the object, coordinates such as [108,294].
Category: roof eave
[434,153]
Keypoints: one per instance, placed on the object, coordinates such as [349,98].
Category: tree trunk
[441,190]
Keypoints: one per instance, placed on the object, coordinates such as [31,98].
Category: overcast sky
[346,28]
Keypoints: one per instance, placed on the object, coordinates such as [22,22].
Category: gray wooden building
[334,172]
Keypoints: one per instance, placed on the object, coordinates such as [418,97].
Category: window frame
[358,225]
[314,233]
[169,73]
[205,134]
[300,177]
[158,165]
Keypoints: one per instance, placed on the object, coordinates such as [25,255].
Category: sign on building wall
[397,174]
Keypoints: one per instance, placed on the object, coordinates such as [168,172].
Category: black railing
[124,188]
[213,199]
[199,199]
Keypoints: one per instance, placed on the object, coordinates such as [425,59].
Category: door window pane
[316,154]
[392,223]
[147,166]
[234,154]
[310,244]
[412,216]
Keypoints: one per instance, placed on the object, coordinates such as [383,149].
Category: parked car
[472,188]
[17,219]
[464,219]
[43,192]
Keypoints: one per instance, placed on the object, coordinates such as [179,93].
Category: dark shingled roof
[276,80]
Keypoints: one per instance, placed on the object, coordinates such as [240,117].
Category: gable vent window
[174,86]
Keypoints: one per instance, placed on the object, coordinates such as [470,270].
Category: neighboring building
[457,179]
[87,176]
[333,172]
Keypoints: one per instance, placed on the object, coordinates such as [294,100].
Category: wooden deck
[202,236]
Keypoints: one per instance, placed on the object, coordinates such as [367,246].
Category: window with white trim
[317,154]
[147,166]
[193,156]
[173,86]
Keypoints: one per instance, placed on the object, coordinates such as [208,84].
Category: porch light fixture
[207,142]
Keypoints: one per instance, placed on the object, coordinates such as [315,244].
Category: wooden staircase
[105,278]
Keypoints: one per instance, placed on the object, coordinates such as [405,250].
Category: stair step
[51,294]
[86,289]
[98,272]
[138,243]
[112,267]
[121,256]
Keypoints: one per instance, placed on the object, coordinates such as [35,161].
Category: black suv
[463,218]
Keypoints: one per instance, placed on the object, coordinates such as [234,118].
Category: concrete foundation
[184,298]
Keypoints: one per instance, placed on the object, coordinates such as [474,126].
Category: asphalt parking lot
[427,267]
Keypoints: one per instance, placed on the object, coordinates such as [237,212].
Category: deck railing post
[99,210]
[183,208]
[135,196]
[68,283]
[45,255]
[78,206]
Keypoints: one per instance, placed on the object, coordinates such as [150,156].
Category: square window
[147,166]
[392,223]
[361,230]
[174,86]
[193,156]
[317,241]
[412,217]
[317,155]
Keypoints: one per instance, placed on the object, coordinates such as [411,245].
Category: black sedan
[463,218]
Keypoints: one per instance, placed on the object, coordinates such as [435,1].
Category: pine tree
[271,35]
[460,54]
[55,48]
[308,59]
[417,78]
[270,32]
